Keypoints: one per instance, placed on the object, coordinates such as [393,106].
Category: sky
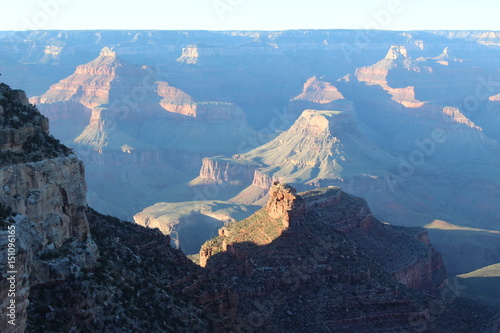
[249,14]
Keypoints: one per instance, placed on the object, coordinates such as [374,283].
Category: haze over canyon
[251,151]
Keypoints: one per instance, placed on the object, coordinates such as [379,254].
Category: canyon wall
[44,185]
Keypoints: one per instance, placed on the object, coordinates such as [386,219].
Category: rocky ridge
[350,216]
[140,283]
[301,263]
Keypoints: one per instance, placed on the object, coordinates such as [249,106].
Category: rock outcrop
[219,170]
[44,184]
[318,91]
[310,248]
[284,204]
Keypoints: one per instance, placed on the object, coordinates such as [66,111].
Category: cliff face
[44,184]
[89,85]
[219,170]
[55,201]
[176,101]
[22,266]
[309,247]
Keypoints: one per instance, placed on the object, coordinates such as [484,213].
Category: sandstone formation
[91,83]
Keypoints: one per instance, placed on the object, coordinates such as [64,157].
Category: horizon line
[265,30]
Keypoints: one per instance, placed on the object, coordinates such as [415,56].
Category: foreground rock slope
[320,262]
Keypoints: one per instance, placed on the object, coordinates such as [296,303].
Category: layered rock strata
[44,186]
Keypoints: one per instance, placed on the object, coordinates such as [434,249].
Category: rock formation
[317,91]
[322,148]
[396,60]
[43,183]
[320,95]
[220,170]
[309,251]
[90,85]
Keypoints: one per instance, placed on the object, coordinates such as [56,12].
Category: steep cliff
[43,183]
[177,101]
[221,169]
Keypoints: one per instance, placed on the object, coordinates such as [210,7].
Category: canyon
[186,131]
[318,252]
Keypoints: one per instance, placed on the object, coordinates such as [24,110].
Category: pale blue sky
[250,14]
